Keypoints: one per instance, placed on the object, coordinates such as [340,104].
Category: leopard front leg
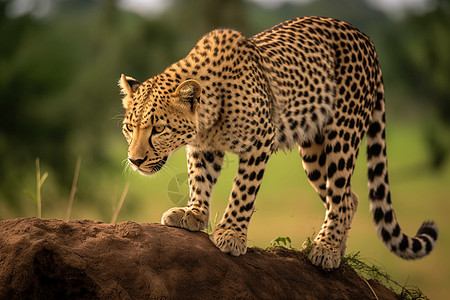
[204,168]
[230,235]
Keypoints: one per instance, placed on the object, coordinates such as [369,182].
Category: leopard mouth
[152,168]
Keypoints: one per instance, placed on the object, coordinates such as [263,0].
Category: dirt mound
[52,259]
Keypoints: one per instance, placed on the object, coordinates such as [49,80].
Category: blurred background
[59,65]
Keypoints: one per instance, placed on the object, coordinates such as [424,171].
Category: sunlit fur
[309,83]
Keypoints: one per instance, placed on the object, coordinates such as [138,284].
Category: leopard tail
[386,223]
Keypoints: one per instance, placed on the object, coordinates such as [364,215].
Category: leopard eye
[159,128]
[129,127]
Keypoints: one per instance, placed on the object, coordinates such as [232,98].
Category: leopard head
[160,117]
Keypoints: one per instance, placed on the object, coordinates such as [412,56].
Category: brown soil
[52,259]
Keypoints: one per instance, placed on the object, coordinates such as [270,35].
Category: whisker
[169,171]
[119,119]
[127,170]
[172,171]
[163,170]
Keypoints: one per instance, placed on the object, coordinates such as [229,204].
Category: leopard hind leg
[321,168]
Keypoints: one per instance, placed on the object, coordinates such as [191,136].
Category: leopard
[311,83]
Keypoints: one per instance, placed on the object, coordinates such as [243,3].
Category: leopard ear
[188,93]
[128,86]
[204,112]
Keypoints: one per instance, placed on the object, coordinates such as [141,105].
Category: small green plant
[307,245]
[39,183]
[282,241]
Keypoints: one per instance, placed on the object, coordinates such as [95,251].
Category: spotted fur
[314,83]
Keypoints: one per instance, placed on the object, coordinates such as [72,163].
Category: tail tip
[429,228]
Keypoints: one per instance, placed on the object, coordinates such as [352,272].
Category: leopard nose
[137,162]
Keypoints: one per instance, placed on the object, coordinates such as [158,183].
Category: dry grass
[73,189]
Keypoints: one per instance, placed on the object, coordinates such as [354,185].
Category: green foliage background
[59,101]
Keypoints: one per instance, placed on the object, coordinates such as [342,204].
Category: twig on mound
[74,189]
[122,199]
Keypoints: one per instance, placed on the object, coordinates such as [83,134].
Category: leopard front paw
[229,241]
[325,256]
[185,217]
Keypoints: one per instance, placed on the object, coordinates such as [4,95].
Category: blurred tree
[58,86]
[224,13]
[58,73]
[425,60]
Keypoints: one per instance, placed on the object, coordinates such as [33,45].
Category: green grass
[40,179]
[370,271]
